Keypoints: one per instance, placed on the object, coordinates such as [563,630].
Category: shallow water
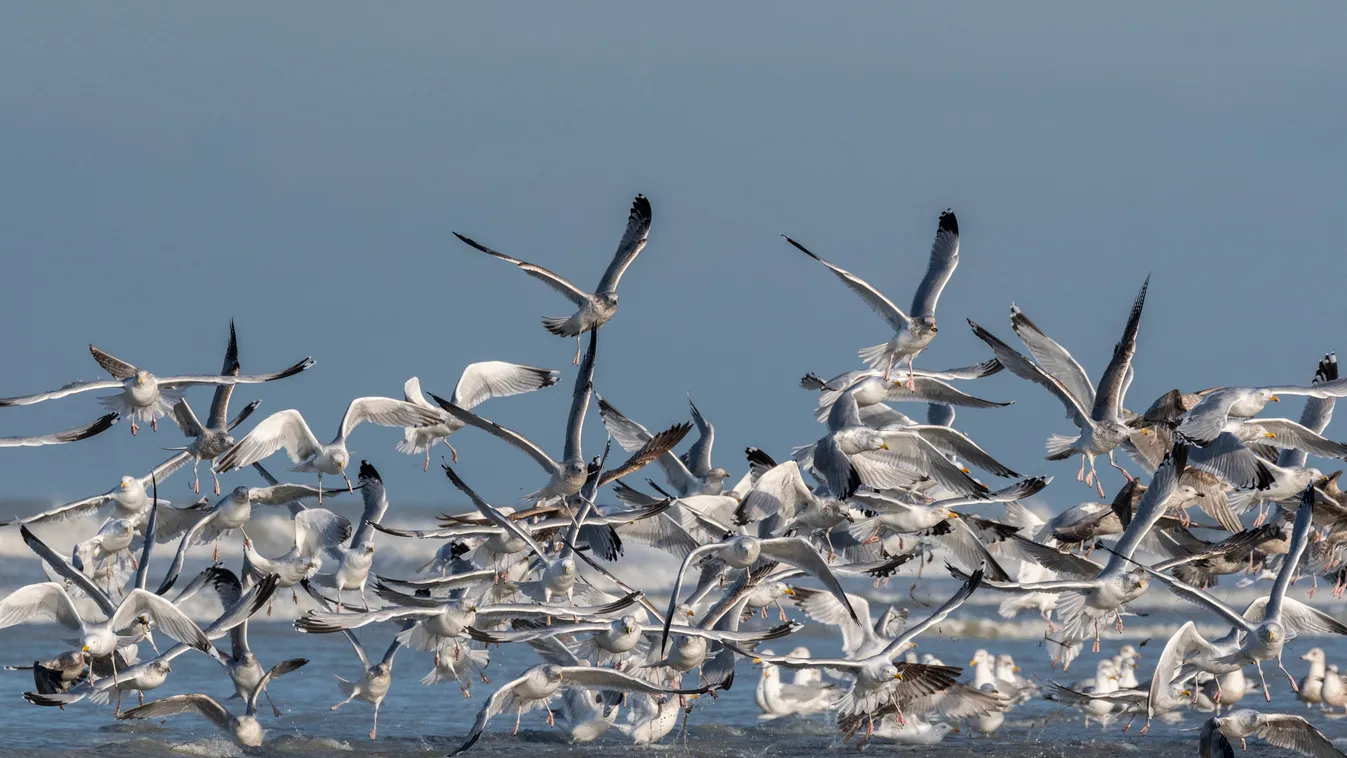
[421,720]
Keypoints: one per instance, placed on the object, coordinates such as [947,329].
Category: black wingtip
[949,222]
[300,367]
[368,472]
[756,457]
[640,208]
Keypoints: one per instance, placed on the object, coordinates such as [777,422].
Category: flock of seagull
[875,491]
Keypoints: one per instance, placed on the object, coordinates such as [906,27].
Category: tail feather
[562,326]
[1059,447]
[876,357]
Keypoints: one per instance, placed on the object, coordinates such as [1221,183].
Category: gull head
[924,325]
[1271,633]
[574,471]
[628,624]
[339,461]
[551,672]
[239,494]
[717,473]
[127,481]
[947,513]
[890,672]
[609,299]
[142,378]
[567,567]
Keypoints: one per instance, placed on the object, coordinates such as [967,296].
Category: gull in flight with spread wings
[598,308]
[911,333]
[287,430]
[143,395]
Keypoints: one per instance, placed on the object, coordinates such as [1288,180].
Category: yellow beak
[1146,432]
[790,591]
[1275,399]
[1270,435]
[966,471]
[1016,669]
[85,649]
[883,446]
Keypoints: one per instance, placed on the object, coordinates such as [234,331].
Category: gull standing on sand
[598,308]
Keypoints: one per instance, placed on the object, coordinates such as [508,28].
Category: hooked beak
[1275,399]
[1016,669]
[898,675]
[790,591]
[1146,432]
[1270,435]
[973,662]
[883,446]
[965,470]
[85,649]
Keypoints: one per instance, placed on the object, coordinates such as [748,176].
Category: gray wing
[1289,434]
[944,259]
[166,616]
[84,432]
[1112,385]
[243,415]
[836,469]
[553,280]
[45,600]
[939,414]
[488,379]
[1228,459]
[385,411]
[500,700]
[633,241]
[1053,358]
[1202,597]
[376,504]
[319,531]
[202,705]
[76,509]
[584,387]
[631,435]
[219,404]
[976,371]
[1206,420]
[930,390]
[1025,369]
[881,305]
[1152,506]
[186,379]
[845,413]
[277,671]
[495,516]
[1212,742]
[1317,413]
[594,678]
[698,458]
[187,421]
[1295,733]
[1300,540]
[797,552]
[898,644]
[68,572]
[118,368]
[656,449]
[507,435]
[955,443]
[70,389]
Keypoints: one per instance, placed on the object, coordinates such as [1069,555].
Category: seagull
[1317,413]
[1088,600]
[356,560]
[741,551]
[318,533]
[1277,729]
[911,334]
[1213,412]
[567,476]
[536,687]
[244,729]
[288,430]
[928,387]
[598,308]
[143,395]
[690,474]
[480,382]
[1258,634]
[98,426]
[211,439]
[1097,415]
[130,499]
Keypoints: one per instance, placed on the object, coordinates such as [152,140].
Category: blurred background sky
[300,166]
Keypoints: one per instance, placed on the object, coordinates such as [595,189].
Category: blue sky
[299,167]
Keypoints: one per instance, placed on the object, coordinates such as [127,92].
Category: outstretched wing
[508,435]
[1113,384]
[60,438]
[202,705]
[633,241]
[284,429]
[219,404]
[385,411]
[944,259]
[119,368]
[553,280]
[894,317]
[482,381]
